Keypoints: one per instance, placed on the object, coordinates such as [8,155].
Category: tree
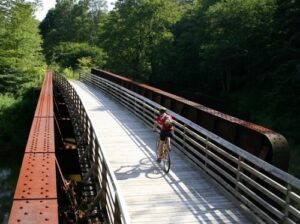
[239,33]
[70,54]
[55,27]
[185,61]
[137,33]
[287,34]
[285,73]
[20,57]
[73,24]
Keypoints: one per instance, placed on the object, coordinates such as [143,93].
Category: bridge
[95,135]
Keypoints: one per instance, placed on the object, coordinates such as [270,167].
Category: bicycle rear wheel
[166,159]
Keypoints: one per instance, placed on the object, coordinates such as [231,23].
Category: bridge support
[72,125]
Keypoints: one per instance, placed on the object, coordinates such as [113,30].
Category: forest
[241,57]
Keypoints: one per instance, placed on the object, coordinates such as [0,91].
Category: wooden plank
[184,195]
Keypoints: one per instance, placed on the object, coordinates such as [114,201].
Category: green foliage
[137,34]
[85,64]
[73,25]
[21,65]
[68,54]
[6,101]
[238,31]
[12,136]
[70,73]
[20,59]
[15,118]
[220,41]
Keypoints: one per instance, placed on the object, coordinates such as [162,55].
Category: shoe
[158,160]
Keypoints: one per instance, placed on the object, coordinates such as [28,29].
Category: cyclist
[166,121]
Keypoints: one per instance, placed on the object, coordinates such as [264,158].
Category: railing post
[238,174]
[85,154]
[287,203]
[103,190]
[143,109]
[134,106]
[184,136]
[117,214]
[206,152]
[89,173]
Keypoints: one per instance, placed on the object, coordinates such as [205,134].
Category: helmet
[162,110]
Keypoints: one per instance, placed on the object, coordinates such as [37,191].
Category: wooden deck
[184,195]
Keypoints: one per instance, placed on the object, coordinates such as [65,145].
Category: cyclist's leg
[168,139]
[168,142]
[162,140]
[158,149]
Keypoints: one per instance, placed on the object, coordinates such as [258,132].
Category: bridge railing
[270,194]
[108,194]
[262,142]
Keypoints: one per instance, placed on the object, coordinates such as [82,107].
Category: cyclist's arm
[154,128]
[156,123]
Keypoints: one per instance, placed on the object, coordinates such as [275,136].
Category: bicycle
[165,155]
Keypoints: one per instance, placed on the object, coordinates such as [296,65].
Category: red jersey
[166,121]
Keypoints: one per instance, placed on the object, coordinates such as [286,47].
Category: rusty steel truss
[35,198]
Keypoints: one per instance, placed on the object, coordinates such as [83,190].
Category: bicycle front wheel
[166,160]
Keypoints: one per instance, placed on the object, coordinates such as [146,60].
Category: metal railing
[259,141]
[270,194]
[108,194]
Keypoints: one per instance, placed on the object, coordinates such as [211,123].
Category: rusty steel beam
[37,178]
[35,198]
[45,103]
[260,141]
[41,136]
[34,211]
